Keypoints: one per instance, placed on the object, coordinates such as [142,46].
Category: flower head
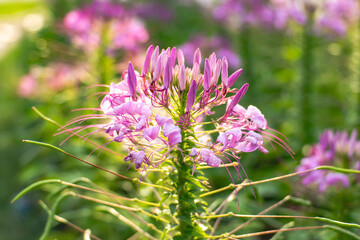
[161,111]
[334,149]
[86,26]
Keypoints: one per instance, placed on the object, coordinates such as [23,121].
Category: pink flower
[162,106]
[85,27]
[333,149]
[209,157]
[151,133]
[138,157]
[27,87]
[250,142]
[173,133]
[334,16]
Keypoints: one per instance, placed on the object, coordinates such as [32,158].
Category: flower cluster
[86,27]
[331,15]
[57,76]
[219,45]
[334,149]
[162,109]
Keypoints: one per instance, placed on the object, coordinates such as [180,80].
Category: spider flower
[334,149]
[162,110]
[86,27]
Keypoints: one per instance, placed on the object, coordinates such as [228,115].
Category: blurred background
[301,59]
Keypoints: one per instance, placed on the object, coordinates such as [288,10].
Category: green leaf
[343,231]
[172,207]
[198,232]
[194,181]
[32,186]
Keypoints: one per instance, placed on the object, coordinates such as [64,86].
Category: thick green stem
[306,82]
[353,116]
[187,188]
[185,200]
[104,61]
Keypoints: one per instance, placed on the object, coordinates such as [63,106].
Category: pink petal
[216,73]
[139,158]
[154,58]
[132,81]
[151,133]
[233,77]
[237,98]
[173,56]
[214,161]
[162,120]
[174,138]
[205,154]
[191,96]
[223,139]
[197,57]
[170,128]
[141,123]
[180,57]
[182,77]
[167,73]
[146,66]
[193,152]
[207,75]
[251,142]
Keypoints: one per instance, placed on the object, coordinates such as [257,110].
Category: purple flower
[250,142]
[27,86]
[173,133]
[138,157]
[85,26]
[151,133]
[334,149]
[43,81]
[193,152]
[154,111]
[191,97]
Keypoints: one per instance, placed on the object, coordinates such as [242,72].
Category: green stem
[104,61]
[135,180]
[353,119]
[307,78]
[187,189]
[185,200]
[246,53]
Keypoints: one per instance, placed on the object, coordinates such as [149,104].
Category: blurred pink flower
[44,81]
[86,27]
[334,16]
[334,149]
[28,86]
